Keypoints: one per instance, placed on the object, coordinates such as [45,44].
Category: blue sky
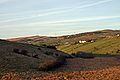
[57,17]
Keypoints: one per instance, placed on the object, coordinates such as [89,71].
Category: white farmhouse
[118,35]
[85,41]
[82,41]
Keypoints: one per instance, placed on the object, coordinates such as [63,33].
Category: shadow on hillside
[83,61]
[92,55]
[63,61]
[53,65]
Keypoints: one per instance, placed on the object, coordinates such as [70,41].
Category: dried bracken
[105,74]
[103,68]
[52,64]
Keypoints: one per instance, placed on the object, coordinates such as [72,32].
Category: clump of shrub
[95,48]
[52,64]
[23,52]
[35,56]
[39,48]
[48,53]
[16,50]
[118,51]
[56,55]
[83,55]
[51,47]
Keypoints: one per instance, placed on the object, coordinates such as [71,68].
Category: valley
[62,58]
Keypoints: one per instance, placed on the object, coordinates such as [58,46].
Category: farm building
[82,41]
[85,41]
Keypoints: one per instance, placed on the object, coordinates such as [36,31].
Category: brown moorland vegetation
[19,57]
[21,61]
[99,68]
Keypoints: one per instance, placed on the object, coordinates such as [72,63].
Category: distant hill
[95,42]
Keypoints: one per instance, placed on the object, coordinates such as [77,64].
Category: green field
[101,46]
[106,42]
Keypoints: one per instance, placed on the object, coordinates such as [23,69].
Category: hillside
[101,46]
[68,39]
[19,57]
[102,42]
[39,59]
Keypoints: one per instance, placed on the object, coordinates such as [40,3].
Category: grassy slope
[69,43]
[102,46]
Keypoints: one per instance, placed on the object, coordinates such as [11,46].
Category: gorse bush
[16,50]
[22,52]
[39,48]
[60,61]
[51,47]
[35,56]
[52,64]
[118,51]
[48,53]
[83,55]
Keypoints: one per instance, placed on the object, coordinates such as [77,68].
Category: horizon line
[55,35]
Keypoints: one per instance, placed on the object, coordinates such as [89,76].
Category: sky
[57,17]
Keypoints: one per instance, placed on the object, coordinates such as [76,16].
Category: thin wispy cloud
[34,12]
[41,11]
[66,22]
[57,11]
[59,17]
[75,20]
[4,1]
[94,4]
